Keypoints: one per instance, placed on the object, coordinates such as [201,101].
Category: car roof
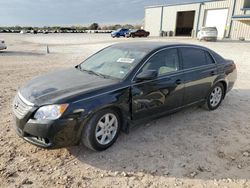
[151,46]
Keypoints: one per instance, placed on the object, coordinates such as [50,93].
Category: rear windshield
[209,29]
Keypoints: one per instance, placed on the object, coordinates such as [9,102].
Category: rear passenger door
[199,70]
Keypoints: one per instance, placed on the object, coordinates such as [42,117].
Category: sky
[75,12]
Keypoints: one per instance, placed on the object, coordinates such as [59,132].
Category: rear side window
[193,57]
[209,58]
[217,57]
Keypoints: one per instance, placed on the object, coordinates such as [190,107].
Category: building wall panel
[153,20]
[240,29]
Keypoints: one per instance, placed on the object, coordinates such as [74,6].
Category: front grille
[21,106]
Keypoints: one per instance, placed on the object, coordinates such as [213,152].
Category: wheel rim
[215,96]
[106,129]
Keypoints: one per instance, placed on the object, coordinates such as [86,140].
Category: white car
[23,32]
[2,45]
[208,33]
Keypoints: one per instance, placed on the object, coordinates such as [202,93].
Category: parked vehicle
[23,32]
[121,85]
[138,33]
[2,45]
[33,32]
[119,33]
[208,33]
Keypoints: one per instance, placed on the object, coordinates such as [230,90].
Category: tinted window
[217,57]
[209,58]
[163,62]
[193,57]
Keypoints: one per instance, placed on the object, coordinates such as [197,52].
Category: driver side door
[163,93]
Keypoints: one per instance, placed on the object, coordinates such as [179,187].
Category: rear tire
[215,97]
[102,130]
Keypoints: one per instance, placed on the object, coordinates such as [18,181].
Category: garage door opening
[216,18]
[185,23]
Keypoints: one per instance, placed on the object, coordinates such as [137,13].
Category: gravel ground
[192,148]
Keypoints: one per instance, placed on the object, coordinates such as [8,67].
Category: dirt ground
[192,148]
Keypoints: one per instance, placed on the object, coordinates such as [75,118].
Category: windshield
[113,62]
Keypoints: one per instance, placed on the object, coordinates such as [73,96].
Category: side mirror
[147,75]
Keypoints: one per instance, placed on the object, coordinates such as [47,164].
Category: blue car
[119,32]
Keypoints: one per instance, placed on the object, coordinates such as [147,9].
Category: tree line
[93,26]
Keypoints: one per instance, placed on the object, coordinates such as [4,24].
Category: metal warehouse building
[231,17]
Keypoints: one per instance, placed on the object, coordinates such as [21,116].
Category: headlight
[50,112]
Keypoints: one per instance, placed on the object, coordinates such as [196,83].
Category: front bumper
[3,47]
[49,134]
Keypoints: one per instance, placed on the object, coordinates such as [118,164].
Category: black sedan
[137,33]
[121,85]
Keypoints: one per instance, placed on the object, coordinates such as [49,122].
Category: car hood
[56,86]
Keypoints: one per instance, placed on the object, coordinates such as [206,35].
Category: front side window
[114,62]
[163,62]
[192,57]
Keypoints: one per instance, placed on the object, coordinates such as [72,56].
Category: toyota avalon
[121,85]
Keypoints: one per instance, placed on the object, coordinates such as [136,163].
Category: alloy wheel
[106,129]
[215,96]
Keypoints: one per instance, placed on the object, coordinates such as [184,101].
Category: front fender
[119,98]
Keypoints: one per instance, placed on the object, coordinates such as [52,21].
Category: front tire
[215,97]
[102,130]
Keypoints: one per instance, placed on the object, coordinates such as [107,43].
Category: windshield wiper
[95,73]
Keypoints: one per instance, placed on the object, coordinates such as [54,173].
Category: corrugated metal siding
[238,7]
[240,29]
[170,15]
[153,20]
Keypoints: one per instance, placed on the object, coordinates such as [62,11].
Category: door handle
[212,73]
[178,82]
